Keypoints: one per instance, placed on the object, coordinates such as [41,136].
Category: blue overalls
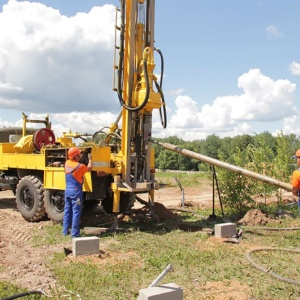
[73,204]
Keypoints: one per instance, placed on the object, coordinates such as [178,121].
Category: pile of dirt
[97,217]
[163,213]
[255,217]
[158,211]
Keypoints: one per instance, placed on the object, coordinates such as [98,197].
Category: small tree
[235,189]
[284,164]
[261,160]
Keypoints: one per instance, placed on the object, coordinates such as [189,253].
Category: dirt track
[24,265]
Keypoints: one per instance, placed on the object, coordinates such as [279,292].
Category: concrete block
[164,292]
[85,245]
[225,230]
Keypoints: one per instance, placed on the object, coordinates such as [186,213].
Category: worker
[74,171]
[296,175]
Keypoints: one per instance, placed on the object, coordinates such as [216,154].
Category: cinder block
[164,292]
[85,245]
[225,230]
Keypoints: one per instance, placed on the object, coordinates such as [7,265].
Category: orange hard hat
[297,152]
[73,152]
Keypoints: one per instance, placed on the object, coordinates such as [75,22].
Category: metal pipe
[161,276]
[226,166]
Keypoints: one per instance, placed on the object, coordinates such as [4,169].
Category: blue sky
[231,67]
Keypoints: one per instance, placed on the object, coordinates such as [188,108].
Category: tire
[54,204]
[30,198]
[107,203]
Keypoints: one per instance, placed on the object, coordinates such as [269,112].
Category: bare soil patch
[24,265]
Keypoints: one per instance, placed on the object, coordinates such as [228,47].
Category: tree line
[262,153]
[257,148]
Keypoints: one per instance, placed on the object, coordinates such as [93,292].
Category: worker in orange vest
[296,179]
[74,172]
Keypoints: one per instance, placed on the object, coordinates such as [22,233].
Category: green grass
[186,179]
[7,289]
[132,261]
[129,262]
[203,266]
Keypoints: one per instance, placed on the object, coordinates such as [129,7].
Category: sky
[231,67]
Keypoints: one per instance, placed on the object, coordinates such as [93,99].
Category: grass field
[204,266]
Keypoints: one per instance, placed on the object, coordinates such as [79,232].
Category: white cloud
[291,125]
[262,99]
[226,116]
[173,93]
[75,122]
[186,113]
[295,68]
[62,66]
[53,63]
[273,31]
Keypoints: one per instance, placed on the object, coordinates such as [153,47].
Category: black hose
[162,67]
[112,135]
[268,271]
[120,68]
[23,295]
[134,109]
[163,118]
[270,228]
[121,52]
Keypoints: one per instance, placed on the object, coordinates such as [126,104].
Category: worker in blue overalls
[74,171]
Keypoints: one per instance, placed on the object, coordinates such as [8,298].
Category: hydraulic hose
[24,295]
[121,52]
[120,68]
[112,135]
[100,131]
[162,66]
[268,271]
[134,109]
[163,116]
[270,228]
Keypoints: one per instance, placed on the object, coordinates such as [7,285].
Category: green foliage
[130,261]
[261,160]
[167,160]
[7,289]
[186,179]
[211,146]
[284,164]
[262,153]
[235,189]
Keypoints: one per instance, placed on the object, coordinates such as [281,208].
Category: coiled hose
[268,271]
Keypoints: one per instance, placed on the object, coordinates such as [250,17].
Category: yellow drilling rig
[31,165]
[32,161]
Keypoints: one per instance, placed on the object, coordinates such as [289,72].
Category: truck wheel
[30,198]
[54,204]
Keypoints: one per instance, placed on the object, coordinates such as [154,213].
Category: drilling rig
[123,159]
[32,161]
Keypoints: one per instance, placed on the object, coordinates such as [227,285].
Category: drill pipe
[226,166]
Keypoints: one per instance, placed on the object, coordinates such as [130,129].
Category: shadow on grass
[160,221]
